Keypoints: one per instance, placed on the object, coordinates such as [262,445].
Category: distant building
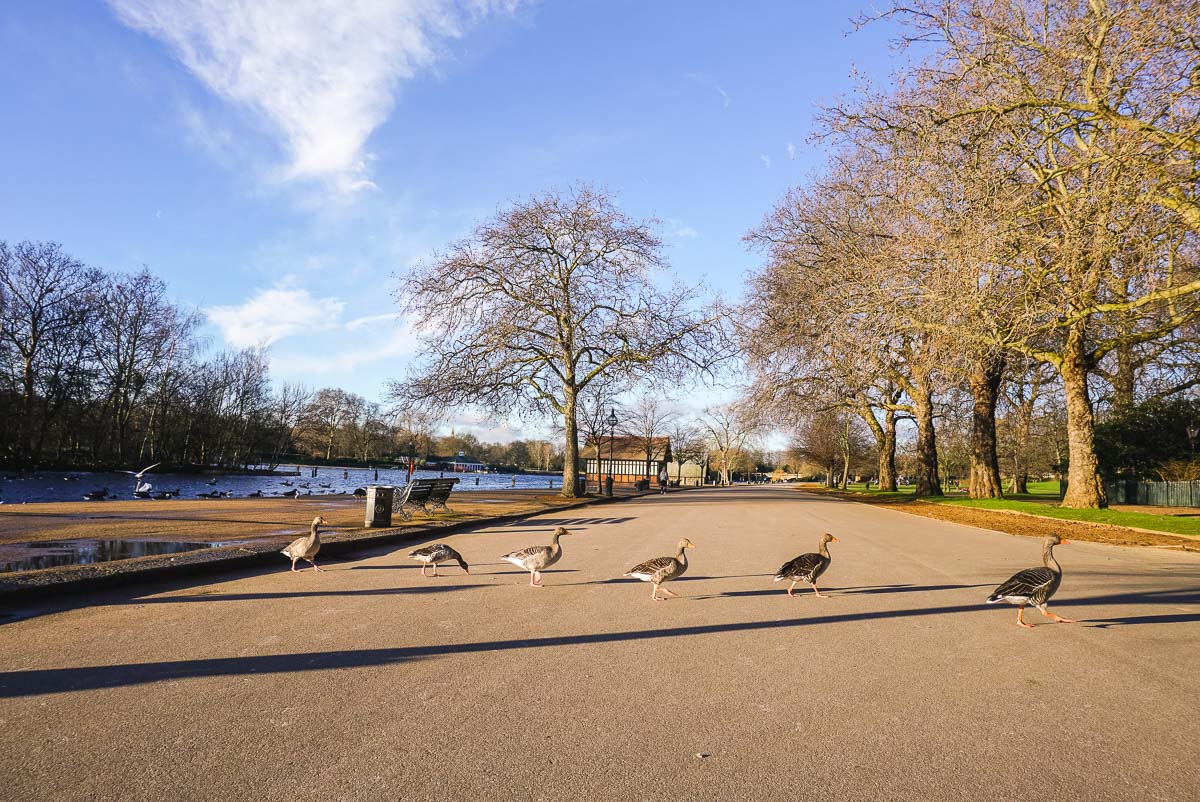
[455,464]
[625,459]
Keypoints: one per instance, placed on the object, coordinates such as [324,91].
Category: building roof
[629,447]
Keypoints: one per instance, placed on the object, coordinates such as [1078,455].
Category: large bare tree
[546,297]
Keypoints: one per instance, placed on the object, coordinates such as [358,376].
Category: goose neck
[1048,559]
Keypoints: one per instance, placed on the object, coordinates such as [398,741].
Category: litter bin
[608,483]
[379,506]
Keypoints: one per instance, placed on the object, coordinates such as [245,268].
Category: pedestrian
[662,481]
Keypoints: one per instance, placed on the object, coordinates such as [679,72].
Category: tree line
[1001,252]
[101,369]
[1013,226]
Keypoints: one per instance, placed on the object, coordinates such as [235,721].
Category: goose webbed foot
[791,587]
[818,593]
[1021,620]
[1058,619]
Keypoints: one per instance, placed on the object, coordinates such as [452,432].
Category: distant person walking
[662,481]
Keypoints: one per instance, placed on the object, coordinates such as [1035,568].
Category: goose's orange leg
[1020,620]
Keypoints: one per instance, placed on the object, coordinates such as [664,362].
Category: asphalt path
[369,682]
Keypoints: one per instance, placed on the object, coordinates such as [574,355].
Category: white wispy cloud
[766,160]
[367,320]
[725,100]
[272,314]
[791,149]
[322,73]
[679,231]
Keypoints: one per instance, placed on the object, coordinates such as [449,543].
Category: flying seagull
[143,471]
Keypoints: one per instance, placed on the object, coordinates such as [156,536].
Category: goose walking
[663,569]
[306,548]
[536,558]
[1034,585]
[807,567]
[437,553]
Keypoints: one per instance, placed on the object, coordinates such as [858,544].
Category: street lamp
[612,434]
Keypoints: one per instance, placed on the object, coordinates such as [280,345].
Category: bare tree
[541,301]
[46,294]
[730,429]
[646,423]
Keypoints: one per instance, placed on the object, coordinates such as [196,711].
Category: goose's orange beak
[1062,542]
[835,540]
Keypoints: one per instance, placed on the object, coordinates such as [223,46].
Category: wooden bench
[423,495]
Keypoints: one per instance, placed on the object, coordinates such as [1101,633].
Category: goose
[290,493]
[306,548]
[255,494]
[534,558]
[663,569]
[807,567]
[96,495]
[1034,585]
[437,553]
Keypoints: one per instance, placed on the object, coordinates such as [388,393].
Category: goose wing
[1024,584]
[521,555]
[435,553]
[799,568]
[651,567]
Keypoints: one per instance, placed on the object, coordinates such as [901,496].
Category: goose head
[686,544]
[318,521]
[828,538]
[1055,540]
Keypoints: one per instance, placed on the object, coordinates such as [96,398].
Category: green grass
[1043,500]
[1159,523]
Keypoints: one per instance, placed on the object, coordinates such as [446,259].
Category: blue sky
[277,166]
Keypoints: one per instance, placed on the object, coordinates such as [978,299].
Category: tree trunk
[1084,488]
[985,465]
[570,488]
[887,453]
[927,459]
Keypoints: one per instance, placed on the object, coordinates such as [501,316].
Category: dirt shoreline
[1024,524]
[257,527]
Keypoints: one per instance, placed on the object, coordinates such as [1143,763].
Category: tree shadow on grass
[64,680]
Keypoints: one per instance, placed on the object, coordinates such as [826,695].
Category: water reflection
[57,553]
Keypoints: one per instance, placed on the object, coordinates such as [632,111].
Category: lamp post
[612,434]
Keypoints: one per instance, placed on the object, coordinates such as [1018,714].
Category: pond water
[42,486]
[56,553]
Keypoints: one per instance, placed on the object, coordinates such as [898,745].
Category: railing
[1154,494]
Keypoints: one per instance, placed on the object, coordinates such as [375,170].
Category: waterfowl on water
[437,553]
[663,569]
[807,567]
[535,558]
[306,548]
[1034,585]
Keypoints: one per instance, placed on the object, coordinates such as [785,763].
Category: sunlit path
[371,682]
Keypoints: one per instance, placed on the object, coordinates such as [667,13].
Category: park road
[369,682]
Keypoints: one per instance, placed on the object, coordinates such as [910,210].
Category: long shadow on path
[64,680]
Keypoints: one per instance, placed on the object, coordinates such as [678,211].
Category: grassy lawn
[1042,500]
[1177,524]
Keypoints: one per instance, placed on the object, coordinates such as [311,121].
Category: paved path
[368,682]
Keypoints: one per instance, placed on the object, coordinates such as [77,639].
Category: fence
[1154,494]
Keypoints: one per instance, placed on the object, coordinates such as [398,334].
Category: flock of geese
[1030,587]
